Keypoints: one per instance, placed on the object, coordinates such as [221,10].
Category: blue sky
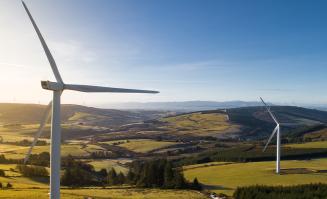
[189,50]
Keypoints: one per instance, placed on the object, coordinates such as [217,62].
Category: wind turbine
[276,130]
[58,87]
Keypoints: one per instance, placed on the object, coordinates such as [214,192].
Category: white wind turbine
[58,87]
[276,130]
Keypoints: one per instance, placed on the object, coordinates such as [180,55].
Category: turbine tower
[276,130]
[57,88]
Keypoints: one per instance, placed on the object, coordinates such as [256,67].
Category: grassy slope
[18,152]
[85,116]
[145,145]
[225,178]
[17,180]
[108,164]
[102,194]
[27,131]
[203,124]
[321,144]
[319,134]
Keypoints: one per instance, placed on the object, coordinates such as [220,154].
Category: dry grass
[18,152]
[321,144]
[114,193]
[145,145]
[81,116]
[108,164]
[201,124]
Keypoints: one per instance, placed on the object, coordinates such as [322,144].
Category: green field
[200,124]
[15,178]
[8,172]
[225,178]
[108,164]
[321,145]
[82,116]
[19,133]
[18,152]
[319,134]
[98,193]
[145,145]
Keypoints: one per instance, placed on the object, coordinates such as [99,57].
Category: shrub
[196,185]
[2,173]
[9,185]
[33,171]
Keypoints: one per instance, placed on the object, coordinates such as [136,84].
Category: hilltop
[11,113]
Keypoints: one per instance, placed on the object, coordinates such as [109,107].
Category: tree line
[25,142]
[251,153]
[308,191]
[103,154]
[42,159]
[32,171]
[159,174]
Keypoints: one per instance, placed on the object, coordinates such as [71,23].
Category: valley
[221,148]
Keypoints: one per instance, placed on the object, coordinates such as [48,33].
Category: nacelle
[54,86]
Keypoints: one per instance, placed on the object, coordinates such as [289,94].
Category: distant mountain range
[182,106]
[186,106]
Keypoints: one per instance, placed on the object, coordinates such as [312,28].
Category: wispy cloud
[73,51]
[275,89]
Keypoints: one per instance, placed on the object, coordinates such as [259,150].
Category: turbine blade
[44,120]
[271,136]
[87,88]
[270,113]
[45,47]
[268,107]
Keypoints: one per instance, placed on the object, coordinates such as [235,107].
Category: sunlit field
[144,145]
[123,193]
[108,164]
[201,124]
[322,144]
[225,178]
[19,152]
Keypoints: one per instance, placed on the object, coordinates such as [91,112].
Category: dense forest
[149,174]
[159,174]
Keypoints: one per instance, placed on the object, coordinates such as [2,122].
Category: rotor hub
[53,86]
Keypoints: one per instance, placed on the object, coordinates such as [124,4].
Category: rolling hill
[246,123]
[296,121]
[32,114]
